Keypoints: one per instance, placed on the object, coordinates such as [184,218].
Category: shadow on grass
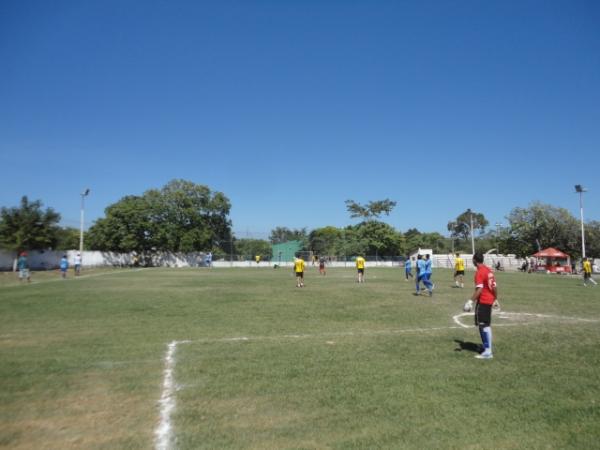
[467,346]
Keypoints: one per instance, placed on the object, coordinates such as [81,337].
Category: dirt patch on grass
[93,413]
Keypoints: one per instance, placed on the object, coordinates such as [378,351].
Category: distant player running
[459,271]
[360,267]
[408,269]
[322,266]
[587,272]
[484,296]
[299,270]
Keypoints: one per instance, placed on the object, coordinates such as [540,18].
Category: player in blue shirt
[428,273]
[64,265]
[423,274]
[408,268]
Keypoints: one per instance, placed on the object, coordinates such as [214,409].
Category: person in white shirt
[77,263]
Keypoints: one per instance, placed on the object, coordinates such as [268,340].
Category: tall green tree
[181,217]
[540,226]
[371,210]
[461,226]
[592,239]
[324,241]
[435,241]
[249,248]
[280,235]
[28,226]
[373,238]
[67,238]
[128,226]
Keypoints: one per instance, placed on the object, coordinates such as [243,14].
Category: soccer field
[242,359]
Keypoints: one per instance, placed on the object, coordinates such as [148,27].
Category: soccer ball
[468,306]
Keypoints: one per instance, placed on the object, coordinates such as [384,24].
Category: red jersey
[484,278]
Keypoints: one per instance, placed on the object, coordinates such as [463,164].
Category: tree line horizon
[183,216]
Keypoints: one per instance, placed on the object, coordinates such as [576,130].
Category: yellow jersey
[299,265]
[459,264]
[587,267]
[360,262]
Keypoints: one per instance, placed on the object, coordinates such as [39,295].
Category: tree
[28,227]
[461,226]
[67,238]
[435,241]
[280,235]
[541,226]
[592,239]
[373,238]
[127,227]
[371,210]
[181,217]
[251,247]
[323,241]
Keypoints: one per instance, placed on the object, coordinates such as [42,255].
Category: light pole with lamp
[580,190]
[83,195]
[498,225]
[471,228]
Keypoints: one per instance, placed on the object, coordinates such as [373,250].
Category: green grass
[334,365]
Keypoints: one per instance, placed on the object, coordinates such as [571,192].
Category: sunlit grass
[333,365]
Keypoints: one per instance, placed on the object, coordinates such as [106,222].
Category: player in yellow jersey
[299,270]
[587,272]
[360,267]
[459,271]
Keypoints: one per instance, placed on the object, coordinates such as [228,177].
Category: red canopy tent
[555,261]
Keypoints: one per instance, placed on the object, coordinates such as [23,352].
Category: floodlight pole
[83,195]
[472,236]
[580,190]
[498,225]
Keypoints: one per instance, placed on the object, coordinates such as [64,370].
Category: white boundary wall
[48,260]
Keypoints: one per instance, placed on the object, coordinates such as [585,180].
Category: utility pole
[580,189]
[83,195]
[472,235]
[498,225]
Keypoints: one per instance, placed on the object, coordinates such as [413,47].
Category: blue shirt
[64,264]
[427,266]
[421,267]
[407,265]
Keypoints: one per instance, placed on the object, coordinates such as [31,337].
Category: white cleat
[484,355]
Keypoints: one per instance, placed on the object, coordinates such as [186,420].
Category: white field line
[163,432]
[384,332]
[503,315]
[323,335]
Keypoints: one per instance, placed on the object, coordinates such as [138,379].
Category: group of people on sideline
[63,266]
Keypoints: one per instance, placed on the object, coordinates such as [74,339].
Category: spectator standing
[23,267]
[77,264]
[64,266]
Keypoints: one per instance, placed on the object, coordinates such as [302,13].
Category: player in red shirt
[484,297]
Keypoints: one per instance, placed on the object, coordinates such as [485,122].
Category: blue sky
[290,108]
